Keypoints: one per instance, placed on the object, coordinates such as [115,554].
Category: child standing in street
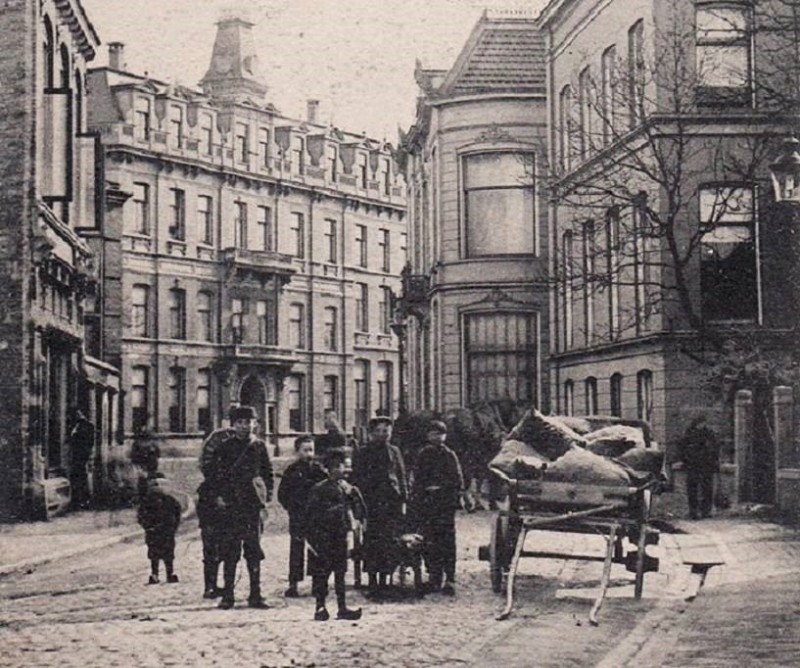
[159,514]
[296,484]
[327,524]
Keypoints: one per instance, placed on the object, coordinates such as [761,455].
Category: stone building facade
[259,253]
[476,292]
[667,241]
[49,280]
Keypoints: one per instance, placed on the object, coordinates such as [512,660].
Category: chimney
[312,107]
[116,56]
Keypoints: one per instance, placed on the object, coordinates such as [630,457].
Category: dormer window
[333,163]
[206,134]
[142,120]
[298,154]
[242,144]
[176,125]
[362,170]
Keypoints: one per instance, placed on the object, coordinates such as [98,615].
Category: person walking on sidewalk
[240,475]
[699,451]
[438,486]
[296,484]
[81,447]
[379,473]
[327,525]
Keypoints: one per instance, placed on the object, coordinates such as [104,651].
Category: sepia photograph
[420,334]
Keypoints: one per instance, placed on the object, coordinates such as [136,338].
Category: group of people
[324,498]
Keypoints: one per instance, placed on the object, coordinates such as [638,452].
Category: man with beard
[379,473]
[239,475]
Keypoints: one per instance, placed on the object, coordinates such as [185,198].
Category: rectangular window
[642,257]
[616,395]
[140,309]
[385,309]
[362,170]
[177,313]
[330,393]
[361,244]
[333,164]
[263,147]
[142,118]
[332,240]
[501,352]
[294,388]
[241,142]
[361,388]
[613,268]
[567,260]
[636,74]
[205,219]
[176,125]
[177,399]
[386,250]
[384,382]
[566,127]
[140,395]
[644,395]
[569,398]
[588,280]
[722,52]
[298,230]
[499,204]
[330,332]
[386,177]
[728,274]
[177,228]
[362,307]
[590,387]
[205,316]
[141,208]
[297,328]
[264,322]
[237,320]
[265,228]
[240,224]
[609,83]
[298,155]
[206,134]
[203,400]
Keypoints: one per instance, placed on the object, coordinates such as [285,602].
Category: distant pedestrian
[210,516]
[334,436]
[436,495]
[379,473]
[159,514]
[296,484]
[699,451]
[328,522]
[81,447]
[239,473]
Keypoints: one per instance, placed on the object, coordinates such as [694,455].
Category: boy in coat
[159,514]
[437,492]
[327,524]
[296,484]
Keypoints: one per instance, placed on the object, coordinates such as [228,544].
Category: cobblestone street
[95,610]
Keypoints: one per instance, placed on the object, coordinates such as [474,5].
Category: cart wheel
[498,550]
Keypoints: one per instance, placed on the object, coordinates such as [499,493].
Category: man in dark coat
[699,451]
[379,472]
[329,510]
[81,447]
[436,495]
[298,479]
[240,475]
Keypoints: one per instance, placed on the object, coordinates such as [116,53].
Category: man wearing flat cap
[238,472]
[436,495]
[380,474]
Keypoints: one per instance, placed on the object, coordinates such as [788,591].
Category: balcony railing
[264,263]
[259,353]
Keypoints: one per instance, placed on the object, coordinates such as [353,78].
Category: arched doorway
[252,393]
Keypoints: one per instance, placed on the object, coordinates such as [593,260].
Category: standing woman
[379,473]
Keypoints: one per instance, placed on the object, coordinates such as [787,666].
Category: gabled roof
[502,55]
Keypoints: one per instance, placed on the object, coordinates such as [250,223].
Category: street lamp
[785,172]
[399,327]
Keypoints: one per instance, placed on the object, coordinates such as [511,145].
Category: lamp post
[785,172]
[399,326]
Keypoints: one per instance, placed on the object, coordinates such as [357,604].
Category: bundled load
[550,448]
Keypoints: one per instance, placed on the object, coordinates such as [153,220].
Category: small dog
[408,554]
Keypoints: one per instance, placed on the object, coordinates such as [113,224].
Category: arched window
[569,398]
[616,395]
[590,387]
[49,53]
[644,394]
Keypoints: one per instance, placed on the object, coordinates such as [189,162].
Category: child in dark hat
[159,514]
[296,485]
[327,524]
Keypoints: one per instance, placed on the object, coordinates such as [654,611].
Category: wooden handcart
[615,513]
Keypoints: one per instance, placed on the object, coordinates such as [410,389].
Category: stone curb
[10,569]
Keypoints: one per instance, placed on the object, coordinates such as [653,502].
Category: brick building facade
[259,253]
[477,290]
